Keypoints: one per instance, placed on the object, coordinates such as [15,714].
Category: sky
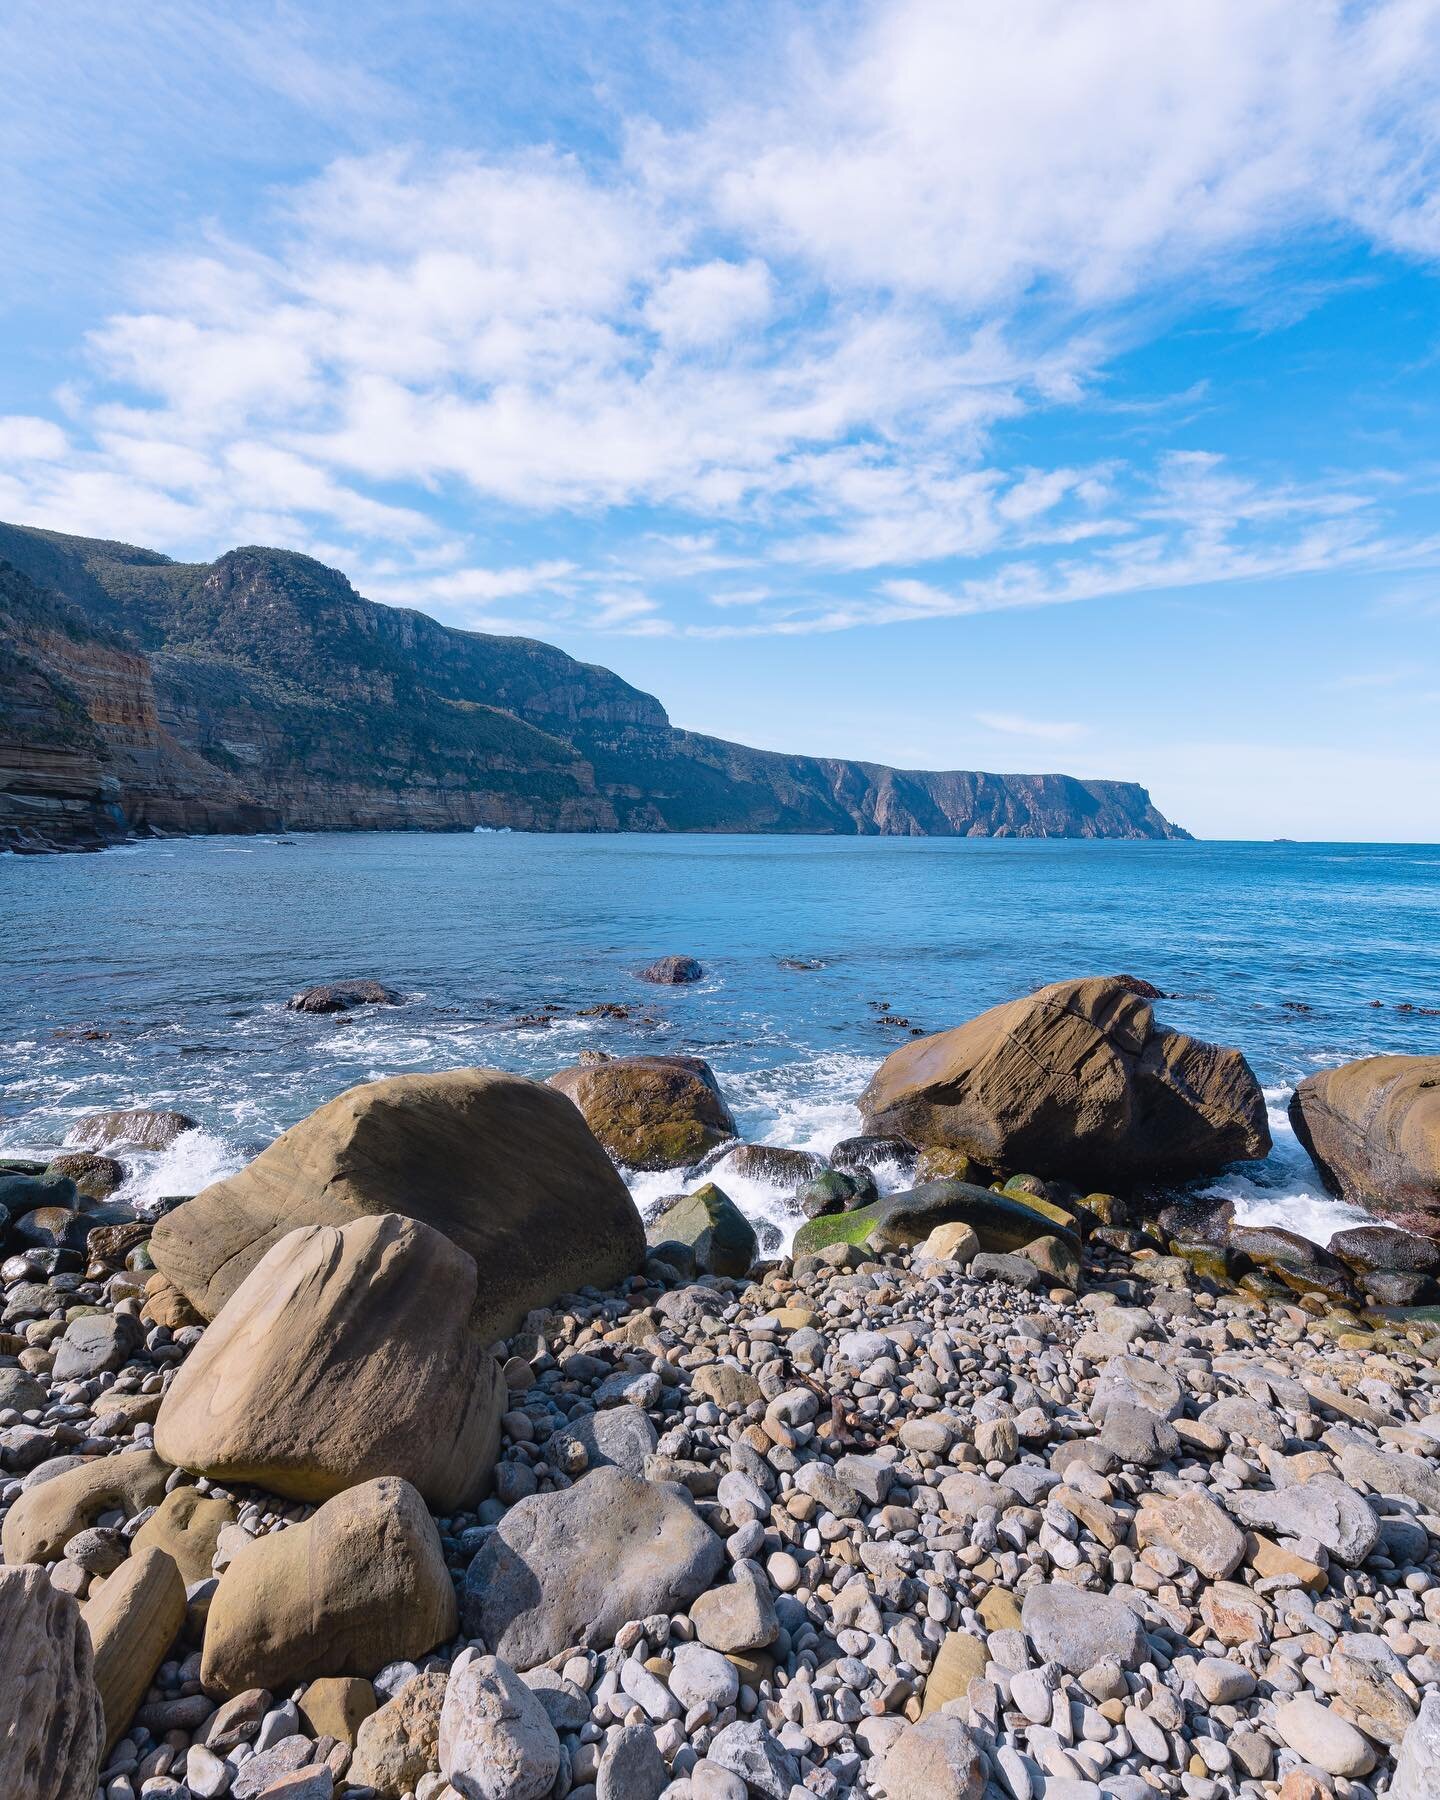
[1003,384]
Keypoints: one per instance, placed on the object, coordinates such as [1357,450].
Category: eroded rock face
[1079,1081]
[650,1112]
[361,1583]
[52,1724]
[1373,1128]
[345,1354]
[133,1620]
[573,1567]
[44,1518]
[503,1167]
[141,1128]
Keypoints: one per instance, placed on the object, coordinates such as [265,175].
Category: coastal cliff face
[261,692]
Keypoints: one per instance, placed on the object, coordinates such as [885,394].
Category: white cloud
[25,439]
[709,303]
[1053,731]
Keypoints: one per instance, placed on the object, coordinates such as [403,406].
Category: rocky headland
[260,692]
[410,1463]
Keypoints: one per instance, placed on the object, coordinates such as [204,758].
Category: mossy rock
[1210,1261]
[1003,1222]
[721,1237]
[938,1162]
[1105,1207]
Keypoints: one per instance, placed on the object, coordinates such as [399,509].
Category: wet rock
[1373,1129]
[141,1128]
[773,1163]
[95,1176]
[673,971]
[873,1151]
[720,1237]
[650,1112]
[343,996]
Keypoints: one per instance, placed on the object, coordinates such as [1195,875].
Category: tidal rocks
[344,1354]
[650,1112]
[502,1166]
[95,1176]
[343,996]
[773,1163]
[1003,1222]
[673,971]
[1297,1262]
[496,1740]
[718,1234]
[139,1128]
[133,1620]
[874,1150]
[1080,1630]
[1076,1080]
[1384,1250]
[573,1567]
[1373,1128]
[44,1518]
[360,1584]
[52,1722]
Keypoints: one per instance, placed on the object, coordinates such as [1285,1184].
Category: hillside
[261,692]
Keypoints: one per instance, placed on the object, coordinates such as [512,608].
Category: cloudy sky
[1013,384]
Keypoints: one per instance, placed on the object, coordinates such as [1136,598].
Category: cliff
[261,692]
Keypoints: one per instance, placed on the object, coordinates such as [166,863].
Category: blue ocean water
[183,952]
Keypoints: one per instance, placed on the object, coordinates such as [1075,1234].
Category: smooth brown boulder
[344,1354]
[502,1166]
[650,1112]
[133,1619]
[1076,1081]
[186,1526]
[52,1724]
[361,1583]
[44,1519]
[1373,1129]
[140,1128]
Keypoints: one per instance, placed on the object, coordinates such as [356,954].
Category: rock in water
[344,1354]
[1077,1081]
[496,1739]
[504,1167]
[142,1128]
[342,996]
[361,1583]
[573,1567]
[133,1621]
[719,1234]
[52,1723]
[673,971]
[1373,1128]
[650,1112]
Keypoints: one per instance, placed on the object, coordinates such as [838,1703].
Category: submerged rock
[342,996]
[672,971]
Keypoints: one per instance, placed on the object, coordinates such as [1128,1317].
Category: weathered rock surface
[1002,1222]
[502,1166]
[672,971]
[399,1743]
[719,1235]
[650,1112]
[572,1567]
[1373,1129]
[496,1740]
[1077,1080]
[1323,1508]
[141,1128]
[133,1621]
[1079,1630]
[937,1759]
[361,1583]
[44,1518]
[52,1723]
[346,1353]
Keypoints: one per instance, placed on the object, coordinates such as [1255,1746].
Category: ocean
[157,974]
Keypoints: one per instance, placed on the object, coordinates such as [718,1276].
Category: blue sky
[1042,385]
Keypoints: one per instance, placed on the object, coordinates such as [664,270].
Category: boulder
[45,1517]
[1373,1129]
[672,971]
[52,1722]
[650,1112]
[1077,1080]
[24,1194]
[496,1739]
[1417,1767]
[1294,1260]
[139,1128]
[620,1437]
[937,1759]
[133,1619]
[572,1567]
[1078,1629]
[502,1166]
[1384,1250]
[773,1163]
[186,1526]
[360,1584]
[1002,1222]
[344,1354]
[708,1221]
[874,1150]
[1322,1508]
[95,1176]
[398,1744]
[342,996]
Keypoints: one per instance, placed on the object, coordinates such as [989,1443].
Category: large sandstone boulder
[1077,1081]
[571,1568]
[52,1724]
[1373,1128]
[345,1353]
[650,1112]
[504,1167]
[45,1517]
[361,1583]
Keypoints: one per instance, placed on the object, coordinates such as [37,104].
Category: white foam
[191,1162]
[1286,1190]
